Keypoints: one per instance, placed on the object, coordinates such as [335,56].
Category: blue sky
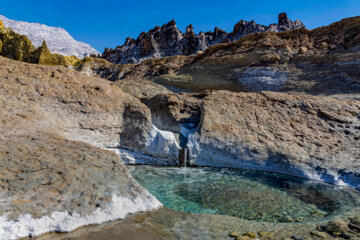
[106,23]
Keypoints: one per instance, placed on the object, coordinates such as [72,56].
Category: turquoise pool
[251,195]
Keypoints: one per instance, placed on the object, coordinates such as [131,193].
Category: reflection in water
[246,194]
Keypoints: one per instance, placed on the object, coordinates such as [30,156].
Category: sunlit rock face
[168,40]
[296,134]
[57,39]
[301,135]
[55,127]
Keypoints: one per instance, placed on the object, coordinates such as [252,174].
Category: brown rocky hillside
[323,61]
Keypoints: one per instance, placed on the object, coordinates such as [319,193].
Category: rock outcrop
[58,39]
[55,175]
[168,40]
[301,135]
[324,61]
[127,73]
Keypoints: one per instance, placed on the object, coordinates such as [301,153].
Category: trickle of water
[185,157]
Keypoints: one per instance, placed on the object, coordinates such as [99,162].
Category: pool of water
[246,194]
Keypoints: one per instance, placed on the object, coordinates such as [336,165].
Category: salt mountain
[58,39]
[168,40]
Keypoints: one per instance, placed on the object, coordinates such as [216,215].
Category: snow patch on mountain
[57,39]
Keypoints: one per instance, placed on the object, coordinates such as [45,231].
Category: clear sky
[106,23]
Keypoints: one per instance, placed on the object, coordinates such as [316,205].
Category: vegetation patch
[19,47]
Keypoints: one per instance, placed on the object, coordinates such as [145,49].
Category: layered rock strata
[168,40]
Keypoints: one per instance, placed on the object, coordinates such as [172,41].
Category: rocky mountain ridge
[168,40]
[57,39]
[322,61]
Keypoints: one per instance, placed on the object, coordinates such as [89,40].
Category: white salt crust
[119,208]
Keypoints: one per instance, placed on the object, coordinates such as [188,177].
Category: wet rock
[298,237]
[234,234]
[337,227]
[354,227]
[319,234]
[243,238]
[355,221]
[250,234]
[265,234]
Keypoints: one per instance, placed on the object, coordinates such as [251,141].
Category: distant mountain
[168,40]
[58,39]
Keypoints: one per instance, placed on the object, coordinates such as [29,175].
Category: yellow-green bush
[19,47]
[15,46]
[43,56]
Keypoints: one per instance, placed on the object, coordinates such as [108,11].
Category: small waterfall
[185,157]
[184,153]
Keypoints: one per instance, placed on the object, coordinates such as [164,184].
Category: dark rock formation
[168,40]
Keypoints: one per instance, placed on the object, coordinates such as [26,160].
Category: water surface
[246,194]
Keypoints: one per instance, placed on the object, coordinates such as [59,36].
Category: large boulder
[55,174]
[49,184]
[301,135]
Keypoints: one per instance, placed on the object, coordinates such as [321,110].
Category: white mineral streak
[205,152]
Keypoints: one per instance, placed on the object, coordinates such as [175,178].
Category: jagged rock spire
[168,40]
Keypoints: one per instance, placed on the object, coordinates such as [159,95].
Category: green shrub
[19,47]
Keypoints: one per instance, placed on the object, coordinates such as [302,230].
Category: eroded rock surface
[324,61]
[301,135]
[54,174]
